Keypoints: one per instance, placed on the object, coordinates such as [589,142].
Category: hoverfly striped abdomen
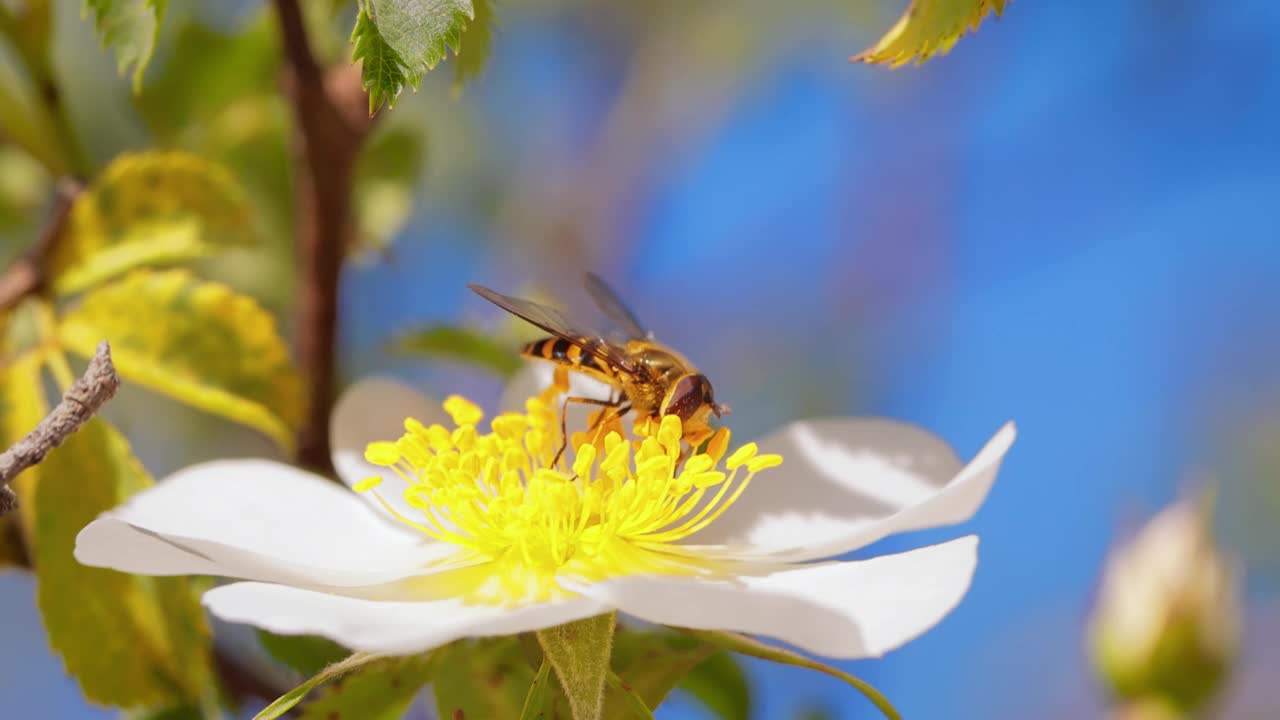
[560,350]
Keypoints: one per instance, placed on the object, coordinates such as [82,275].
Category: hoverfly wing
[554,322]
[613,307]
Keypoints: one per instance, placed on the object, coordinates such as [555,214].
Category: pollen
[612,505]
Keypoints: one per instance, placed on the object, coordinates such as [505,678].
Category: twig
[28,274]
[327,140]
[81,401]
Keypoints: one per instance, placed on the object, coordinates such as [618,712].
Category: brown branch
[82,401]
[29,273]
[326,143]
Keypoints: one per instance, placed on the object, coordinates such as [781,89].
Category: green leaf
[442,342]
[199,342]
[477,40]
[386,180]
[128,640]
[928,28]
[750,646]
[633,700]
[398,41]
[382,691]
[651,664]
[580,652]
[131,28]
[535,700]
[721,685]
[147,209]
[286,702]
[486,679]
[308,654]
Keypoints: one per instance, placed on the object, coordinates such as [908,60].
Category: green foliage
[398,41]
[579,652]
[131,27]
[308,654]
[147,209]
[535,700]
[754,648]
[630,697]
[379,692]
[651,664]
[928,28]
[487,679]
[199,342]
[441,342]
[477,39]
[129,641]
[286,702]
[721,685]
[390,166]
[22,406]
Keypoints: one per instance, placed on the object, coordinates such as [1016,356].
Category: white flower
[534,547]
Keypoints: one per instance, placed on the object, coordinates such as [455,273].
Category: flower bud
[1167,625]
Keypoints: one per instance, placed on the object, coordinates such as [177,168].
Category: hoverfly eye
[689,394]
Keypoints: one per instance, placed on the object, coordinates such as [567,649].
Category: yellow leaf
[147,209]
[928,28]
[199,342]
[23,404]
[129,641]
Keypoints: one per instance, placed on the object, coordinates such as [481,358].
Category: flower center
[618,508]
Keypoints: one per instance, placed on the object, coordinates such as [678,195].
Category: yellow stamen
[611,507]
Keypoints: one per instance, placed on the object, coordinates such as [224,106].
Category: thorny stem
[80,403]
[330,127]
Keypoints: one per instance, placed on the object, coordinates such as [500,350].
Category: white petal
[840,610]
[845,483]
[536,376]
[254,519]
[371,410]
[381,626]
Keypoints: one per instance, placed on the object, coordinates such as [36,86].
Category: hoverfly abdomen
[560,350]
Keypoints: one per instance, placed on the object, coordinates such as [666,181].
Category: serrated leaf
[198,342]
[477,40]
[398,41]
[131,28]
[129,641]
[382,691]
[487,679]
[720,684]
[307,654]
[443,342]
[148,209]
[928,28]
[745,645]
[651,663]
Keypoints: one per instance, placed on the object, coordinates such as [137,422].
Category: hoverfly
[648,377]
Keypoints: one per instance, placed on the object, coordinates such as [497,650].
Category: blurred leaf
[129,641]
[477,40]
[721,685]
[398,41]
[378,692]
[386,180]
[460,345]
[150,208]
[22,405]
[487,679]
[199,342]
[928,28]
[308,654]
[286,702]
[651,663]
[130,27]
[180,712]
[24,187]
[750,646]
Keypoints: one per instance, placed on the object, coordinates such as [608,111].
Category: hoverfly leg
[564,431]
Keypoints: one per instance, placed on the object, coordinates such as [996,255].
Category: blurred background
[1069,221]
